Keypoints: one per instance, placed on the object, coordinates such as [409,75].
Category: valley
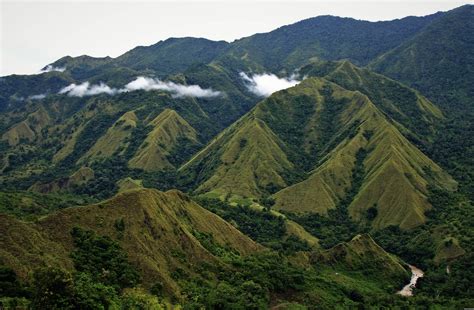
[311,166]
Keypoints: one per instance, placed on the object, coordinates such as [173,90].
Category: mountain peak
[169,130]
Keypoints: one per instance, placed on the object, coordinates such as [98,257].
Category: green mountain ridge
[260,150]
[316,195]
[153,221]
[414,115]
[169,128]
[165,235]
[432,55]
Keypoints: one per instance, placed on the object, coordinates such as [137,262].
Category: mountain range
[335,150]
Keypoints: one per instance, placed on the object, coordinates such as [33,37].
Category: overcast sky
[36,33]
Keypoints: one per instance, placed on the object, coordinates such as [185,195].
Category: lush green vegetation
[449,226]
[254,281]
[101,274]
[103,259]
[431,54]
[327,37]
[453,148]
[438,62]
[260,225]
[332,229]
[10,285]
[337,226]
[29,205]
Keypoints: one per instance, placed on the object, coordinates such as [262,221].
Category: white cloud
[140,83]
[37,97]
[266,84]
[85,89]
[50,68]
[178,90]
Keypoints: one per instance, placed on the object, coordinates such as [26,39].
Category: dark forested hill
[438,60]
[327,38]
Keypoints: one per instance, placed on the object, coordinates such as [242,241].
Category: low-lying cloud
[266,84]
[85,89]
[50,68]
[140,83]
[177,90]
[37,97]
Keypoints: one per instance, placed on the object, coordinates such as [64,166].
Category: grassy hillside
[170,134]
[150,221]
[266,227]
[248,152]
[438,61]
[338,142]
[360,252]
[28,129]
[115,138]
[103,131]
[281,186]
[366,169]
[415,116]
[184,254]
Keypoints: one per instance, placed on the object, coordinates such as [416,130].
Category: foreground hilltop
[167,242]
[150,225]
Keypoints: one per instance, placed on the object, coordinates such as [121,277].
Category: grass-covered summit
[321,145]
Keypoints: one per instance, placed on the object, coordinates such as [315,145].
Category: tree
[93,295]
[53,289]
[103,259]
[9,284]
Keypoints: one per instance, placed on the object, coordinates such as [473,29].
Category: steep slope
[28,129]
[277,129]
[170,131]
[356,154]
[97,131]
[158,228]
[374,166]
[223,77]
[286,48]
[414,115]
[327,38]
[362,253]
[245,160]
[437,61]
[115,138]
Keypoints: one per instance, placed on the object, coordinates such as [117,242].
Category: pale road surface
[416,273]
